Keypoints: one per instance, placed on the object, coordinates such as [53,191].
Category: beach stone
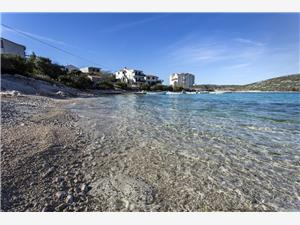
[69,199]
[29,205]
[61,207]
[60,195]
[77,173]
[49,171]
[59,179]
[61,93]
[62,184]
[84,188]
[47,208]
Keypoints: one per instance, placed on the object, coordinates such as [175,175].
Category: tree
[44,66]
[80,81]
[177,88]
[122,85]
[31,60]
[105,85]
[145,87]
[13,65]
[161,87]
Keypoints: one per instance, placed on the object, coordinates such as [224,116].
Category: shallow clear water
[244,136]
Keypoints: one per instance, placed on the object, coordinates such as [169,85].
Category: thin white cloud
[196,51]
[238,66]
[248,41]
[132,24]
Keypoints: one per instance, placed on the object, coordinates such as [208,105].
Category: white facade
[131,76]
[185,80]
[12,48]
[93,70]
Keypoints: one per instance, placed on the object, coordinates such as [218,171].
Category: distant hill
[283,83]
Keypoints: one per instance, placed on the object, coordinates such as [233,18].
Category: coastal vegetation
[42,68]
[282,83]
[76,79]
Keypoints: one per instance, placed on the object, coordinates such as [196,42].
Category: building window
[2,45]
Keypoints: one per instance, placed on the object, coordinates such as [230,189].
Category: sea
[247,142]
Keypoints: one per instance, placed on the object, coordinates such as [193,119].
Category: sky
[218,48]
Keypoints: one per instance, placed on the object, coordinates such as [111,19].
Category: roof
[71,66]
[182,74]
[13,42]
[90,67]
[150,75]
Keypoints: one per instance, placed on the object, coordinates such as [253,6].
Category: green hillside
[283,83]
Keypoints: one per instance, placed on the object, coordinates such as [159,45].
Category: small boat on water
[216,92]
[156,93]
[173,93]
[219,92]
[140,92]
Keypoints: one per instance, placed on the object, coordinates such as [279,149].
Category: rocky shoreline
[42,157]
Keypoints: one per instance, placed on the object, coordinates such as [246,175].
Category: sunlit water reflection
[247,136]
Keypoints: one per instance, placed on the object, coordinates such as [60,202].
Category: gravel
[38,166]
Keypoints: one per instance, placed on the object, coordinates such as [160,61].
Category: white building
[131,76]
[12,48]
[185,80]
[91,70]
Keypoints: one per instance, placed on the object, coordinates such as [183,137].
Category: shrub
[80,81]
[145,87]
[161,87]
[177,88]
[14,65]
[121,85]
[105,85]
[46,67]
[74,73]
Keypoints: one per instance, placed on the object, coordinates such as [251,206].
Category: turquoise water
[251,139]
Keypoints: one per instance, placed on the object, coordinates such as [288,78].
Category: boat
[217,92]
[173,93]
[156,93]
[140,92]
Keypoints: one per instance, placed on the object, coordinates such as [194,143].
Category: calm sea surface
[247,135]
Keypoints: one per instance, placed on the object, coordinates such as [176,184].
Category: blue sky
[219,48]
